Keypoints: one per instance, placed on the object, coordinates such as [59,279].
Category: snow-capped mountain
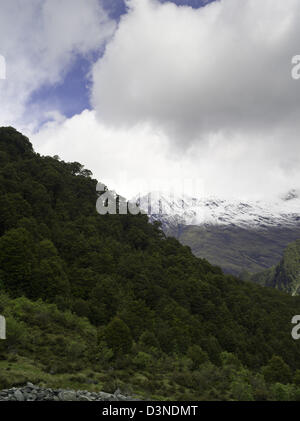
[234,234]
[172,210]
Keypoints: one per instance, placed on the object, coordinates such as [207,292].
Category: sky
[148,94]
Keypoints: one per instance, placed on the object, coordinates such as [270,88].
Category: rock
[27,395]
[30,385]
[67,395]
[19,395]
[106,396]
[118,395]
[117,392]
[84,398]
[123,398]
[35,393]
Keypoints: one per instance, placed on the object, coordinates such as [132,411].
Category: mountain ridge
[235,235]
[259,214]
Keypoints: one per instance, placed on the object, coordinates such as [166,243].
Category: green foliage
[17,261]
[241,390]
[148,340]
[142,360]
[197,355]
[277,371]
[105,354]
[296,379]
[112,294]
[283,392]
[230,360]
[118,336]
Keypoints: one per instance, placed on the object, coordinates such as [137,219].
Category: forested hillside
[95,299]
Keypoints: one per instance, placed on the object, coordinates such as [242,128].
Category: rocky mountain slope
[236,235]
[286,275]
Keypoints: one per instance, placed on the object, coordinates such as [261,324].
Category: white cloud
[139,159]
[219,72]
[39,42]
[179,94]
[223,67]
[124,160]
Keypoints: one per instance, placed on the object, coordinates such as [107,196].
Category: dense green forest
[110,301]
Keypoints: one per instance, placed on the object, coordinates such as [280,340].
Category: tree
[296,379]
[148,340]
[17,261]
[230,360]
[118,336]
[277,371]
[241,390]
[197,355]
[49,279]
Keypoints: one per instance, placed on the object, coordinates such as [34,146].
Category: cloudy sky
[150,93]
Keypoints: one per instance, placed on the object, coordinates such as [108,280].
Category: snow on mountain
[172,211]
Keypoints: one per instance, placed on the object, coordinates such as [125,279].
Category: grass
[23,370]
[17,371]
